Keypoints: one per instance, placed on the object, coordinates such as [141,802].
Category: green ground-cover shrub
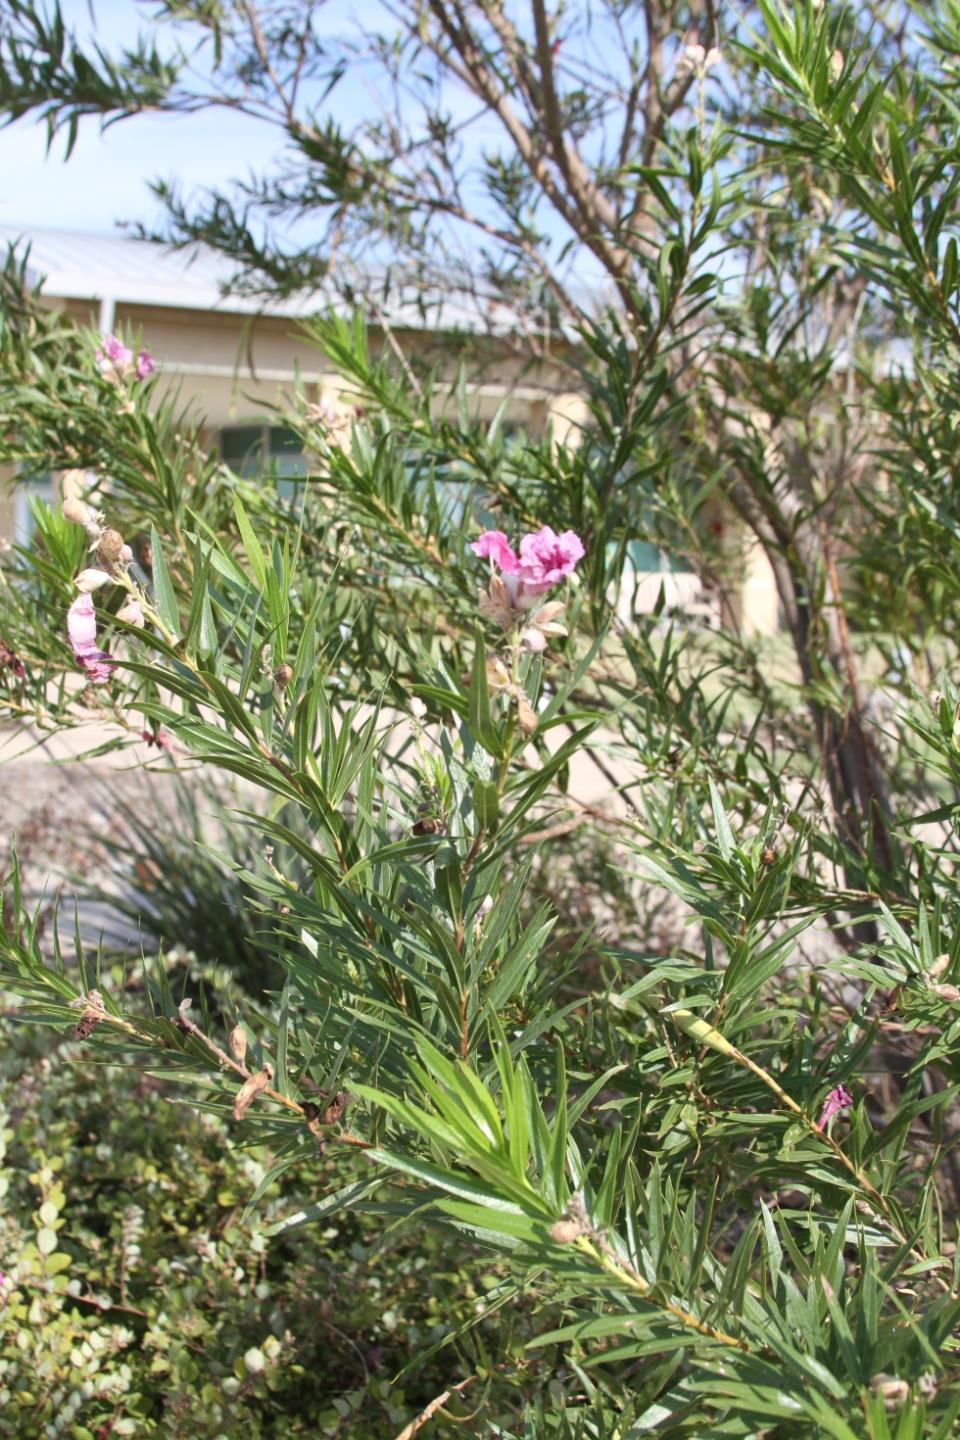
[139,1299]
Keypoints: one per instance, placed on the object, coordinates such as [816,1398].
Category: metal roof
[78,265]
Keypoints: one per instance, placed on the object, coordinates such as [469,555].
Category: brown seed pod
[768,855]
[86,1024]
[111,547]
[282,676]
[426,825]
[336,1107]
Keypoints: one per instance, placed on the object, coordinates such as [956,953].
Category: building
[238,357]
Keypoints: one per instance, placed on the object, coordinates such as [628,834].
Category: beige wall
[231,368]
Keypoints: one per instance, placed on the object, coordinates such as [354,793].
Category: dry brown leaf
[249,1090]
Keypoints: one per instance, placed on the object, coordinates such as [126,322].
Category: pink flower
[9,659]
[838,1099]
[113,358]
[162,739]
[495,545]
[545,557]
[82,634]
[145,365]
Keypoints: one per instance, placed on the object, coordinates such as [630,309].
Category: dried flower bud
[93,1012]
[111,547]
[890,1390]
[282,676]
[73,484]
[946,992]
[249,1090]
[89,580]
[533,640]
[526,716]
[836,65]
[938,967]
[238,1043]
[77,511]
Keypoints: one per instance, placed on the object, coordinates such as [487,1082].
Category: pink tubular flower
[82,634]
[162,739]
[145,365]
[546,558]
[495,545]
[113,358]
[838,1099]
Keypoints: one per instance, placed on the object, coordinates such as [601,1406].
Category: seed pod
[282,676]
[941,963]
[249,1090]
[768,855]
[238,1043]
[111,547]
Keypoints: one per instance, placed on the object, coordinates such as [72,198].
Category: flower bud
[89,580]
[565,1231]
[77,511]
[238,1043]
[282,676]
[132,614]
[73,483]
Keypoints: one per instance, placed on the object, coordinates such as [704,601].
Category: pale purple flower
[838,1099]
[145,365]
[82,634]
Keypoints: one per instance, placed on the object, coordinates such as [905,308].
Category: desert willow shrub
[729,1162]
[727,1169]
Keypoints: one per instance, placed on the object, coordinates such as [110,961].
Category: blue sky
[106,178]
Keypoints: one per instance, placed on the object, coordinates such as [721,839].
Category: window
[272,451]
[26,491]
[646,558]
